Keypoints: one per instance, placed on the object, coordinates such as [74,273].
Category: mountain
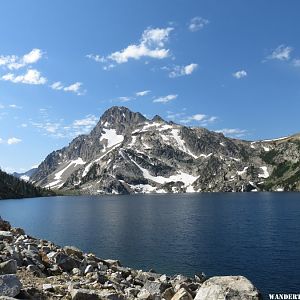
[12,187]
[26,175]
[128,153]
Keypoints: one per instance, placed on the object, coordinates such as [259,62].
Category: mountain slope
[12,187]
[127,153]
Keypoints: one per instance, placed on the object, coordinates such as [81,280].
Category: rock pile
[31,268]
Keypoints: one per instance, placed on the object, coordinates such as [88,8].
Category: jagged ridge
[128,153]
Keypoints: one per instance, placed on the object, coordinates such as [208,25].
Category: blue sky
[231,66]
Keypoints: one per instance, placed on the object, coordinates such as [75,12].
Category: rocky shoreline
[32,268]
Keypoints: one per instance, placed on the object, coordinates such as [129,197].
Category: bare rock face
[10,285]
[182,294]
[8,267]
[228,287]
[127,153]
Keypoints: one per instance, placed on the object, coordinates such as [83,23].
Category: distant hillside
[26,175]
[12,187]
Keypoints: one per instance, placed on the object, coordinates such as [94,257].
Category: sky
[230,66]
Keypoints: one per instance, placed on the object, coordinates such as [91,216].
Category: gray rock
[66,262]
[88,269]
[155,287]
[110,295]
[168,293]
[182,294]
[131,292]
[228,287]
[10,285]
[113,263]
[35,270]
[83,294]
[102,267]
[77,271]
[6,236]
[71,250]
[144,295]
[47,287]
[144,276]
[8,267]
[4,225]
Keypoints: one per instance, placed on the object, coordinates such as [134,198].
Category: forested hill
[12,187]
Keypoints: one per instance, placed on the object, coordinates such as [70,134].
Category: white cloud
[165,99]
[173,115]
[124,99]
[240,74]
[282,52]
[88,121]
[32,76]
[32,57]
[15,106]
[1,141]
[14,62]
[234,132]
[142,93]
[74,88]
[296,62]
[24,125]
[59,128]
[203,119]
[183,70]
[151,45]
[108,67]
[57,85]
[96,58]
[13,140]
[197,23]
[2,106]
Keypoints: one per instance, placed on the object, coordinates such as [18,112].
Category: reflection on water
[255,234]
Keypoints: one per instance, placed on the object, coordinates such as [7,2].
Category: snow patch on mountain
[111,137]
[265,173]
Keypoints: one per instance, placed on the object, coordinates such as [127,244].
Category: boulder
[155,287]
[110,295]
[88,269]
[47,287]
[228,287]
[112,262]
[168,293]
[83,294]
[8,267]
[4,225]
[10,285]
[182,294]
[66,262]
[6,236]
[71,250]
[144,295]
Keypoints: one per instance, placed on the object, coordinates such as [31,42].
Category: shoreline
[152,194]
[33,268]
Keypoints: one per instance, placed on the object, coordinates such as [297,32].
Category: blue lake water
[252,234]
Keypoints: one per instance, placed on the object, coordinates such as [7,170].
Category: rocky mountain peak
[121,114]
[119,118]
[158,119]
[128,153]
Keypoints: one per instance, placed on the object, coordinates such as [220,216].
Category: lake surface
[252,234]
